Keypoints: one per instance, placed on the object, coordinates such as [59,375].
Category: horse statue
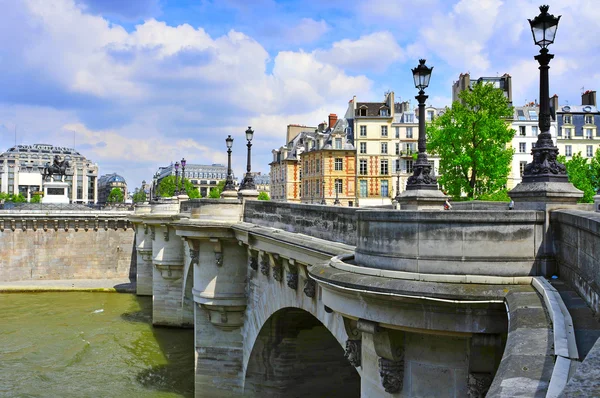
[57,167]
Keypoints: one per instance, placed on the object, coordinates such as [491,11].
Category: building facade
[577,130]
[464,82]
[107,183]
[21,166]
[203,177]
[329,166]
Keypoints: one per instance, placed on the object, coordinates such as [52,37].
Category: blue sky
[137,84]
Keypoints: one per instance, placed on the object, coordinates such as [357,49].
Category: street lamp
[176,179]
[323,201]
[248,182]
[337,199]
[544,167]
[422,177]
[183,176]
[229,184]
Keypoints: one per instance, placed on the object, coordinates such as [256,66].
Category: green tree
[36,199]
[139,196]
[166,188]
[595,170]
[580,173]
[18,198]
[471,139]
[115,196]
[263,196]
[214,193]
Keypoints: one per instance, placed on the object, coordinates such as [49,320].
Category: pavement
[123,285]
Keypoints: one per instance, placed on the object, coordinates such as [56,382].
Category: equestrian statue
[57,167]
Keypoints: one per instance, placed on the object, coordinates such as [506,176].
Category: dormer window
[338,143]
[363,112]
[383,112]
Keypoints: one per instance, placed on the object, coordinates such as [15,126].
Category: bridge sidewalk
[123,285]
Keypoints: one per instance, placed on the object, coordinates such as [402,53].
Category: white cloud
[306,31]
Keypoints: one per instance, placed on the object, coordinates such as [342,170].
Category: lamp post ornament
[183,161]
[229,184]
[248,182]
[544,167]
[422,177]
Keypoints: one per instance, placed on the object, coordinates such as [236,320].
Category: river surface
[90,345]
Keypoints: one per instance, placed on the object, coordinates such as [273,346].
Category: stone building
[577,126]
[21,166]
[464,81]
[107,182]
[328,165]
[286,169]
[203,177]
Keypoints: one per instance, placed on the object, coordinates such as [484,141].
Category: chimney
[553,106]
[588,98]
[332,119]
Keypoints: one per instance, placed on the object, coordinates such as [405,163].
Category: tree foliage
[36,199]
[139,196]
[583,174]
[115,196]
[263,196]
[18,198]
[166,188]
[471,139]
[214,193]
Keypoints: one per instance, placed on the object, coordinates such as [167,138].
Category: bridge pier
[143,245]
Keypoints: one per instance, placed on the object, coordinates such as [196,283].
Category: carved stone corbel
[66,225]
[105,224]
[389,346]
[24,225]
[253,262]
[392,374]
[264,265]
[275,260]
[1,225]
[56,225]
[86,225]
[194,253]
[13,225]
[292,274]
[218,249]
[34,222]
[479,384]
[145,229]
[76,224]
[96,224]
[116,224]
[310,288]
[353,351]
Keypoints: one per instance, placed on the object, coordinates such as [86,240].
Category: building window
[384,189]
[384,167]
[363,147]
[338,164]
[567,132]
[589,134]
[384,131]
[384,147]
[383,112]
[589,119]
[363,112]
[567,119]
[522,167]
[409,166]
[338,186]
[307,170]
[409,132]
[568,150]
[318,165]
[589,151]
[363,188]
[397,165]
[338,143]
[318,187]
[409,148]
[363,131]
[522,130]
[397,132]
[363,167]
[397,148]
[522,148]
[534,131]
[429,116]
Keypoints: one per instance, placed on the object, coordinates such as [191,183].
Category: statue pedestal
[538,195]
[56,192]
[422,199]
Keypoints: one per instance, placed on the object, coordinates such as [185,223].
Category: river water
[90,345]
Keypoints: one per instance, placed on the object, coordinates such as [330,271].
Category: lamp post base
[538,195]
[247,194]
[421,199]
[232,194]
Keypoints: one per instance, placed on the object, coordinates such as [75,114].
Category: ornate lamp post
[183,176]
[176,179]
[229,184]
[397,198]
[422,177]
[248,182]
[336,202]
[545,167]
[323,202]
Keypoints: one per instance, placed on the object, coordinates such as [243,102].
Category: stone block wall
[42,247]
[576,234]
[332,223]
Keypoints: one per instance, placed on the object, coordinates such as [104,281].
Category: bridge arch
[295,354]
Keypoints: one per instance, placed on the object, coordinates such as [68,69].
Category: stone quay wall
[332,223]
[576,234]
[66,246]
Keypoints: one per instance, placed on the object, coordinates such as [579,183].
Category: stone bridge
[307,300]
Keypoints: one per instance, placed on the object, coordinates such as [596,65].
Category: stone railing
[576,234]
[333,223]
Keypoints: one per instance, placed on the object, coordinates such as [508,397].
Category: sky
[138,84]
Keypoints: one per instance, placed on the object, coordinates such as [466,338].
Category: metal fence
[51,207]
